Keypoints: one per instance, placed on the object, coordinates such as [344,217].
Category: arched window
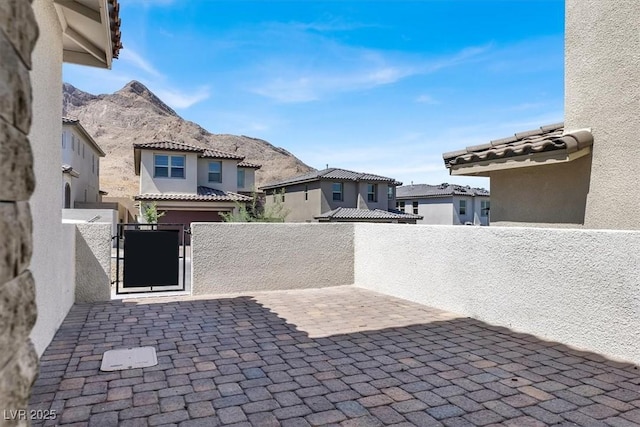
[67,196]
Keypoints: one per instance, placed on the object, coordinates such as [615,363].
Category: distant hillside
[134,114]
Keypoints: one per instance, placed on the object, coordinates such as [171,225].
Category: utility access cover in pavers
[128,358]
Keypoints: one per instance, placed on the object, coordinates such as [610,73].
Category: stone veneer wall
[18,358]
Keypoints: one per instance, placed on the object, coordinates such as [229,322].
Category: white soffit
[129,358]
[86,37]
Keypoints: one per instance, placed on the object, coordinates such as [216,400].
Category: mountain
[134,114]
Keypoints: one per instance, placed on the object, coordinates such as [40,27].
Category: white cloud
[309,76]
[132,57]
[179,99]
[426,99]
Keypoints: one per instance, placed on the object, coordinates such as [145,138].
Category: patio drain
[128,358]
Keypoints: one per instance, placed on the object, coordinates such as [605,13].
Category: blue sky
[374,86]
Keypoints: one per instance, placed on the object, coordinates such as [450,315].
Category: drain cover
[128,358]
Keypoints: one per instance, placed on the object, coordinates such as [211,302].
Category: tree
[256,212]
[150,213]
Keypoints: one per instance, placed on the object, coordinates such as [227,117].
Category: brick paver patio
[337,356]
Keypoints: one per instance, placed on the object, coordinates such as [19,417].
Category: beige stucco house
[583,172]
[445,204]
[80,165]
[335,194]
[190,183]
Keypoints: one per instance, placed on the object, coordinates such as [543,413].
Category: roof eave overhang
[287,184]
[484,168]
[86,33]
[88,137]
[72,173]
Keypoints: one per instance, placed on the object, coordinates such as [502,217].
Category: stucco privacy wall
[578,287]
[18,358]
[93,262]
[602,92]
[236,257]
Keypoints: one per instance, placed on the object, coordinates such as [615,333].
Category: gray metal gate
[151,258]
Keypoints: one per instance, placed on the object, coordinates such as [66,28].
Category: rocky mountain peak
[135,89]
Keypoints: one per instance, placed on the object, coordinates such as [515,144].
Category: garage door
[187,217]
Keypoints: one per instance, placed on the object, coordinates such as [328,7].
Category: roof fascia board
[188,205]
[288,184]
[538,159]
[81,58]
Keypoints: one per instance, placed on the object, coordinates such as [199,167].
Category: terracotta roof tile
[114,27]
[204,194]
[363,214]
[215,154]
[169,146]
[183,147]
[249,165]
[544,139]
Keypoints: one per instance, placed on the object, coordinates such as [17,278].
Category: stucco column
[602,92]
[18,358]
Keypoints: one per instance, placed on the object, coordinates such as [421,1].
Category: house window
[390,192]
[336,189]
[240,178]
[306,192]
[485,207]
[63,142]
[372,192]
[167,166]
[73,143]
[215,171]
[83,151]
[463,207]
[415,208]
[93,163]
[400,206]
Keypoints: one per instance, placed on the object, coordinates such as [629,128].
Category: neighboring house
[445,203]
[334,194]
[80,165]
[536,176]
[191,183]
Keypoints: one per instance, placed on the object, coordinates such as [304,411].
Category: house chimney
[602,92]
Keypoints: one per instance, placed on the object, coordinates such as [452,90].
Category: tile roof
[169,146]
[215,154]
[331,174]
[374,214]
[75,122]
[205,194]
[114,27]
[206,153]
[249,165]
[544,139]
[441,190]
